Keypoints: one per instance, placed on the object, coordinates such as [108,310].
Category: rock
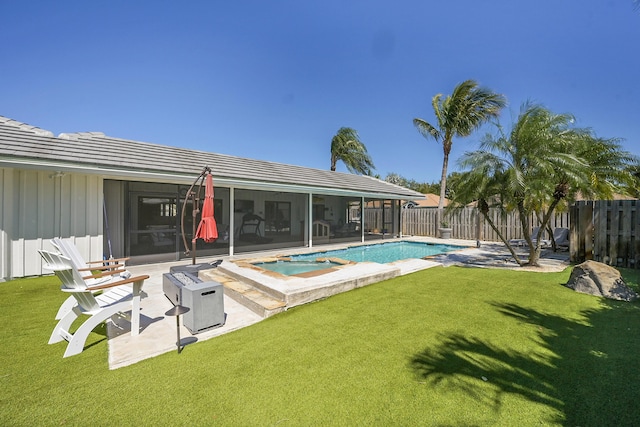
[596,278]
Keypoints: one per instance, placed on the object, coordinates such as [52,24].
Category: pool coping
[304,288]
[253,265]
[294,290]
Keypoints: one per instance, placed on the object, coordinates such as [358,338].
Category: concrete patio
[158,334]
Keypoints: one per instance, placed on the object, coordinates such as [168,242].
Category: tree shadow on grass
[586,371]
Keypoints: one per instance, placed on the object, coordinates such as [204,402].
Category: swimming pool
[382,253]
[292,268]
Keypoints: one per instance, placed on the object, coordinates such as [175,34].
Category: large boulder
[596,278]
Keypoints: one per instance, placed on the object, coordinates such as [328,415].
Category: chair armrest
[102,267]
[102,261]
[118,283]
[103,274]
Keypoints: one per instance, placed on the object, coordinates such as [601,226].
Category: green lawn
[443,347]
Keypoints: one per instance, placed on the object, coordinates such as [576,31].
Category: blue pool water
[291,268]
[382,252]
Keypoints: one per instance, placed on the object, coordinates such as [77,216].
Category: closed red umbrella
[207,229]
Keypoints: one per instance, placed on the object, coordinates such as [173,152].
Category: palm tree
[458,115]
[634,189]
[541,163]
[347,147]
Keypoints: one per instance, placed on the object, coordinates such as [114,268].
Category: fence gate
[606,231]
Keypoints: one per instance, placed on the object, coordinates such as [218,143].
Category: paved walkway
[496,255]
[158,332]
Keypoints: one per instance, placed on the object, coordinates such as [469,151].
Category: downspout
[310,219]
[384,205]
[399,204]
[232,225]
[361,219]
[58,175]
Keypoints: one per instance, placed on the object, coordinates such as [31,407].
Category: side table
[176,311]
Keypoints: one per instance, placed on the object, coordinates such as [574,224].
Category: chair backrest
[534,233]
[70,251]
[252,219]
[559,232]
[561,236]
[321,228]
[71,279]
[54,261]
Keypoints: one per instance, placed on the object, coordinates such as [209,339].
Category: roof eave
[162,176]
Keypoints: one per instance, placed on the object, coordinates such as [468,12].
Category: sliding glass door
[153,225]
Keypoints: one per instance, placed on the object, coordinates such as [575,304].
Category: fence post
[600,231]
[574,233]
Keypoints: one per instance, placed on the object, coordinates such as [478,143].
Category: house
[430,201]
[117,197]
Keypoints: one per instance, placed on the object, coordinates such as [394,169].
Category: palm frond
[545,158]
[347,147]
[427,130]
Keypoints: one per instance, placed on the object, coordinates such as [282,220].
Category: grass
[445,346]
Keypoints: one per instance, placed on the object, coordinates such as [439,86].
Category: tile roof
[431,200]
[94,152]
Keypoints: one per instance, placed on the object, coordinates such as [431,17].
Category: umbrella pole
[195,202]
[194,212]
[193,233]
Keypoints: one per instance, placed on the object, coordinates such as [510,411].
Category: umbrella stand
[195,202]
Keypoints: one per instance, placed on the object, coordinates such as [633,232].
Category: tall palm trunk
[502,237]
[443,189]
[483,208]
[446,148]
[534,250]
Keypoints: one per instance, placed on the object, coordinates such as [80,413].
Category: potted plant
[444,230]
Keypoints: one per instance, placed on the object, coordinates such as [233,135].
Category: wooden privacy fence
[607,231]
[464,223]
[374,217]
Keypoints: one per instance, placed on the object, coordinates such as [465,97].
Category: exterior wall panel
[39,205]
[6,218]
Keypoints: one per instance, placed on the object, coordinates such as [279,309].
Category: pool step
[235,271]
[257,301]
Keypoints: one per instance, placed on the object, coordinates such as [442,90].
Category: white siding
[6,219]
[47,206]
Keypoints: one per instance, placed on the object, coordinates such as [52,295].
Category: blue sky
[274,80]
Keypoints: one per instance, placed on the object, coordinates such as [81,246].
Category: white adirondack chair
[99,308]
[68,249]
[109,271]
